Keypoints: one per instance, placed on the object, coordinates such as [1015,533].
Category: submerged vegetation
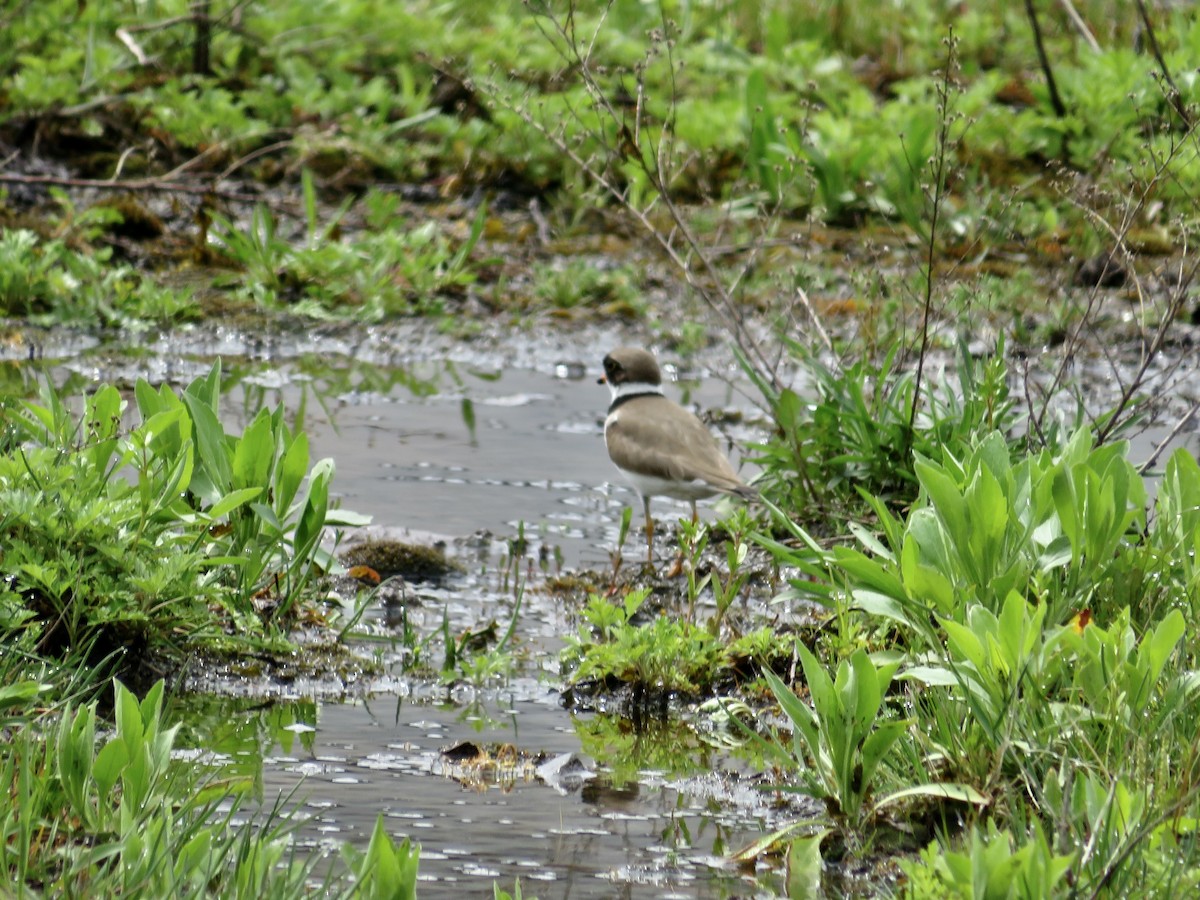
[951,247]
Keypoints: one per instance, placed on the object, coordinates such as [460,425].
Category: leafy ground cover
[156,154]
[867,194]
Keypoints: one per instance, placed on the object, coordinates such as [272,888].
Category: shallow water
[407,455]
[536,456]
[657,836]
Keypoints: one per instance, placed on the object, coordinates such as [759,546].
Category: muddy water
[535,455]
[529,451]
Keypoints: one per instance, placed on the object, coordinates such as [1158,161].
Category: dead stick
[1173,95]
[1080,25]
[134,184]
[1060,108]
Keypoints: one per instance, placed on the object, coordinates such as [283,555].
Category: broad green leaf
[1066,505]
[963,640]
[945,497]
[963,793]
[232,501]
[876,747]
[876,604]
[110,763]
[868,540]
[254,453]
[820,686]
[868,693]
[930,675]
[868,573]
[290,473]
[211,448]
[925,583]
[804,866]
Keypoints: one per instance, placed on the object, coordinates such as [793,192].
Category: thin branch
[1162,445]
[712,289]
[939,188]
[802,295]
[132,46]
[1174,96]
[1080,25]
[1060,108]
[133,184]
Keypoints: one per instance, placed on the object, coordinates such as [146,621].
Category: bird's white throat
[630,389]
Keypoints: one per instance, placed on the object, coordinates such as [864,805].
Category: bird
[660,447]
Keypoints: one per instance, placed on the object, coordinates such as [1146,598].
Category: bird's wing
[666,444]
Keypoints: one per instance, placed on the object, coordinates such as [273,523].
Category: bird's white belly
[652,486]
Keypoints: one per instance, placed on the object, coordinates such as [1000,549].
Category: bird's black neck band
[625,398]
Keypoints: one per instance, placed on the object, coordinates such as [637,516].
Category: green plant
[385,870]
[838,745]
[727,587]
[585,284]
[370,275]
[207,518]
[252,483]
[859,437]
[843,736]
[1116,674]
[119,814]
[498,893]
[49,282]
[995,864]
[663,655]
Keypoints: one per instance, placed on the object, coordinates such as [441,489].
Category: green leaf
[211,446]
[1063,491]
[930,675]
[232,501]
[110,763]
[289,475]
[876,604]
[820,687]
[963,793]
[798,714]
[963,640]
[253,454]
[804,866]
[868,573]
[945,497]
[868,691]
[876,747]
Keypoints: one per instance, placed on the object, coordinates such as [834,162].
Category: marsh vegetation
[950,250]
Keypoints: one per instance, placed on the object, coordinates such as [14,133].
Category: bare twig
[1080,25]
[1131,211]
[1162,445]
[802,296]
[1060,108]
[132,46]
[938,166]
[132,184]
[250,157]
[203,39]
[1173,94]
[653,156]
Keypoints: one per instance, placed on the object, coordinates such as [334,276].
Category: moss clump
[413,562]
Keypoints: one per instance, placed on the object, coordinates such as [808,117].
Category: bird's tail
[746,492]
